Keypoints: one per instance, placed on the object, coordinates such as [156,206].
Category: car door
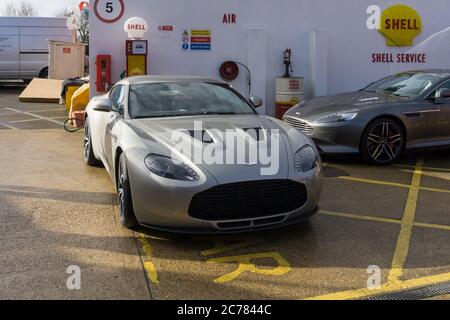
[109,120]
[438,121]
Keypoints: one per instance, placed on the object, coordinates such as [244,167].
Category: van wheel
[44,73]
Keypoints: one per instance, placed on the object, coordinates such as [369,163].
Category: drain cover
[417,293]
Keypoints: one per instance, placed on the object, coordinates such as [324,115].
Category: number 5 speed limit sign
[109,11]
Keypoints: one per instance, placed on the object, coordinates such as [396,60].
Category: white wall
[284,23]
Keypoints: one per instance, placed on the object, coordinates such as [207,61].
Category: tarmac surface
[58,215]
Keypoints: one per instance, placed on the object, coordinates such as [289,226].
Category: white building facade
[335,44]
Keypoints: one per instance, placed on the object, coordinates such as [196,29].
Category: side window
[442,88]
[117,97]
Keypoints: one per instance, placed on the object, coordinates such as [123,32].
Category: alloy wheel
[384,142]
[120,188]
[86,142]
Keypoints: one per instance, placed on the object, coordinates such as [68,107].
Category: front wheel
[127,217]
[88,151]
[382,142]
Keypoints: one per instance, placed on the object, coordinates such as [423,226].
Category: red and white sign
[136,27]
[165,28]
[83,5]
[109,11]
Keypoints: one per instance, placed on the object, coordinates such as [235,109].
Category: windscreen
[409,85]
[151,100]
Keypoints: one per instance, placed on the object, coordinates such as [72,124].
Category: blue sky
[45,7]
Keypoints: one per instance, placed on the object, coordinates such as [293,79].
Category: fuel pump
[136,48]
[136,52]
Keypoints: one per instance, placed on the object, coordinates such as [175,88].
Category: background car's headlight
[167,168]
[338,117]
[306,159]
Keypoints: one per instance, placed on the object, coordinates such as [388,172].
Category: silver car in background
[130,131]
[409,110]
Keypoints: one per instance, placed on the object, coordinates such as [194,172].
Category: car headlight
[167,167]
[338,117]
[306,159]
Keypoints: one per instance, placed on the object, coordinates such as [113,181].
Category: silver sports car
[169,145]
[409,110]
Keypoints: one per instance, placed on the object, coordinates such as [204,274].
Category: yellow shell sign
[400,24]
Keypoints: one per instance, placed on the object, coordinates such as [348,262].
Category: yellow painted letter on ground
[222,245]
[245,265]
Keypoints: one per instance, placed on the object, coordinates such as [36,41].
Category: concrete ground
[57,213]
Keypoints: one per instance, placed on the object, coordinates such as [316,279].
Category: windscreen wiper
[162,116]
[209,113]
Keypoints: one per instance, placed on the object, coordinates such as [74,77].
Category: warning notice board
[197,40]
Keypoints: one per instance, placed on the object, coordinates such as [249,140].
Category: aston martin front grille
[300,125]
[248,200]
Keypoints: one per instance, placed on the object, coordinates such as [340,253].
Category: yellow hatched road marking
[392,184]
[388,288]
[425,168]
[378,219]
[383,183]
[432,226]
[395,283]
[358,217]
[402,248]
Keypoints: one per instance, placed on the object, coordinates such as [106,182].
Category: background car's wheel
[44,73]
[127,217]
[382,142]
[88,152]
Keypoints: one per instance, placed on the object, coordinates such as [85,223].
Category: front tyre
[127,217]
[88,151]
[382,142]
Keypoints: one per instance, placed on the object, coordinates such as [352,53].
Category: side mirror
[445,94]
[255,102]
[103,105]
[442,96]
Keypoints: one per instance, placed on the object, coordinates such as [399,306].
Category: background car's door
[439,118]
[415,117]
[109,119]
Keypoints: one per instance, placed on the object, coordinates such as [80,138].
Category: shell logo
[400,24]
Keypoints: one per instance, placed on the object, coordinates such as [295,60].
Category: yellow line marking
[377,219]
[425,168]
[388,288]
[392,184]
[358,217]
[383,183]
[438,175]
[148,265]
[395,283]
[245,265]
[402,248]
[432,226]
[224,245]
[434,190]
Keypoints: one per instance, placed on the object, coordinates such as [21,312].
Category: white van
[24,46]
